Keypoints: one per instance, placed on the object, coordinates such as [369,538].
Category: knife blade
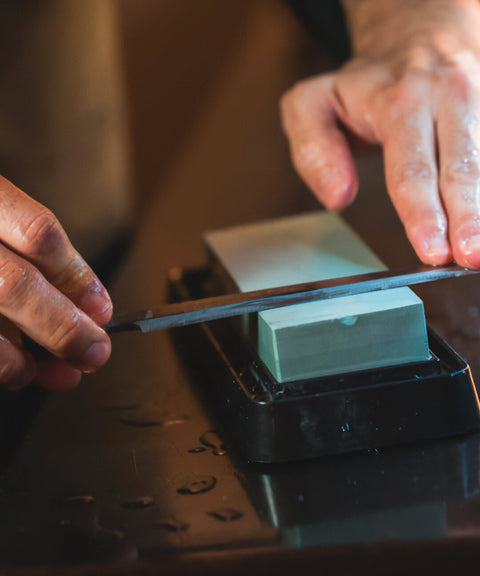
[216,307]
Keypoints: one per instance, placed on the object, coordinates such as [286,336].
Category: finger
[319,149]
[33,232]
[407,133]
[54,374]
[459,140]
[48,316]
[17,367]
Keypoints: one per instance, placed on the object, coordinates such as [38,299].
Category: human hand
[412,86]
[49,292]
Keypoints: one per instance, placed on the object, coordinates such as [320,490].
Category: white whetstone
[326,337]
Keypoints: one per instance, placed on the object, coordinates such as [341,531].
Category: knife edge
[228,305]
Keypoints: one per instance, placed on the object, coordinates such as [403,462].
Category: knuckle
[415,170]
[293,96]
[15,278]
[42,233]
[404,91]
[63,335]
[460,83]
[461,66]
[397,101]
[304,95]
[463,171]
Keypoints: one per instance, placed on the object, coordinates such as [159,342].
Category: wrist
[378,27]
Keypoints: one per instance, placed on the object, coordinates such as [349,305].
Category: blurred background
[106,105]
[109,108]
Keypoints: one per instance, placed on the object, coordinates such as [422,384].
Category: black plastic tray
[272,422]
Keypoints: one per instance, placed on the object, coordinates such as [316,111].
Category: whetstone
[320,338]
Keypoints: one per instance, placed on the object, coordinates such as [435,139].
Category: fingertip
[18,368]
[338,194]
[434,251]
[95,302]
[333,179]
[428,236]
[97,355]
[468,253]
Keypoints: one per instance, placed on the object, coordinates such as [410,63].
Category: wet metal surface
[131,467]
[139,469]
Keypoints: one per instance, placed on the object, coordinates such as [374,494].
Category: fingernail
[95,300]
[471,251]
[437,249]
[96,356]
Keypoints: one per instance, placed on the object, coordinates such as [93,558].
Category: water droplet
[199,485]
[197,450]
[173,422]
[226,514]
[345,427]
[78,500]
[210,439]
[150,421]
[349,320]
[172,525]
[138,502]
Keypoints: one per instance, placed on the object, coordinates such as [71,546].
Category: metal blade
[217,307]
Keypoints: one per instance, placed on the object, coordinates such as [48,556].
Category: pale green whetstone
[325,337]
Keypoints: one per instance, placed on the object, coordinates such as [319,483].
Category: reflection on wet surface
[405,493]
[110,491]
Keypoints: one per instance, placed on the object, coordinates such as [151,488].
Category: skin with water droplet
[197,450]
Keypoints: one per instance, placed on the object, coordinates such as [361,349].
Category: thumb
[319,149]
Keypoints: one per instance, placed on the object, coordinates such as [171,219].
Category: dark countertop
[127,473]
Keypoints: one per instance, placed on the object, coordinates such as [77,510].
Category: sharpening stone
[320,338]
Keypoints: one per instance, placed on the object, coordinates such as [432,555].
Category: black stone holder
[268,422]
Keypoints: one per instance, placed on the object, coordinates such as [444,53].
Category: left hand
[412,86]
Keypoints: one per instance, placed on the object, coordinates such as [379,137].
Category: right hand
[50,293]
